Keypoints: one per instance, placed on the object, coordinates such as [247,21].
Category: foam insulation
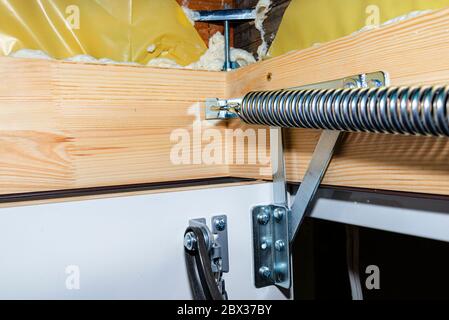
[31,54]
[190,14]
[262,9]
[401,18]
[164,63]
[83,58]
[89,59]
[151,48]
[213,59]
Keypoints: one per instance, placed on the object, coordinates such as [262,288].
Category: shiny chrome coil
[406,110]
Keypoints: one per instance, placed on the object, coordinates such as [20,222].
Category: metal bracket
[272,235]
[217,109]
[216,240]
[271,246]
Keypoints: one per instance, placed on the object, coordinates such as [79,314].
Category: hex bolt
[279,245]
[264,217]
[220,224]
[265,272]
[264,245]
[279,214]
[190,241]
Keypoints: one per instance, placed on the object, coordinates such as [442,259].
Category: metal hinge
[216,240]
[276,225]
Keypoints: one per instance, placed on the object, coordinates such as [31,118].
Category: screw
[278,214]
[362,81]
[220,224]
[279,245]
[376,83]
[264,216]
[265,272]
[265,244]
[190,241]
[351,84]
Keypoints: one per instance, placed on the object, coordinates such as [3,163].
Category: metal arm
[342,105]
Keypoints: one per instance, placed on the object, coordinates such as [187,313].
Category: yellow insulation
[308,22]
[121,30]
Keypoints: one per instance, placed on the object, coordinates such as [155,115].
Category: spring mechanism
[404,110]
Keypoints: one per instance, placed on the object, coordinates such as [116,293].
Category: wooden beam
[412,52]
[67,126]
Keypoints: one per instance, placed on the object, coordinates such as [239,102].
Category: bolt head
[264,217]
[376,83]
[190,241]
[279,245]
[265,272]
[220,224]
[265,244]
[279,214]
[350,84]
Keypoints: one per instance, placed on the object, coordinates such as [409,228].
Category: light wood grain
[412,52]
[67,125]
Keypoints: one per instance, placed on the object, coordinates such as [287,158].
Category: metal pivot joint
[216,241]
[207,257]
[359,103]
[275,226]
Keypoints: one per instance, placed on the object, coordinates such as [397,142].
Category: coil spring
[406,110]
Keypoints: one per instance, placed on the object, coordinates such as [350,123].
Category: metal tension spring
[396,110]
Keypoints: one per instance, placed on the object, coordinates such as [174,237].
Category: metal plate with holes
[271,246]
[372,80]
[220,229]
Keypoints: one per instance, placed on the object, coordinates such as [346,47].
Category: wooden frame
[69,126]
[66,126]
[412,52]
